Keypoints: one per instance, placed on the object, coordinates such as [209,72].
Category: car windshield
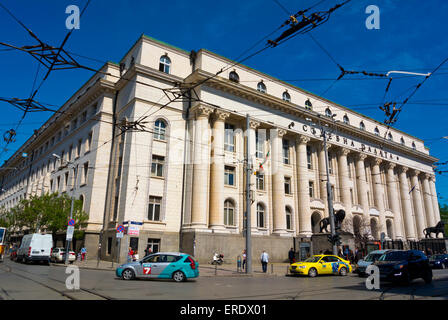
[372,257]
[437,257]
[394,256]
[313,259]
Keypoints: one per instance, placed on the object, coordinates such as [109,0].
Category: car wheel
[343,271]
[128,274]
[428,276]
[179,276]
[312,272]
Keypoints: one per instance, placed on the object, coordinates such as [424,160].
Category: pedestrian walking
[83,253]
[135,256]
[130,254]
[148,250]
[291,256]
[264,261]
[244,258]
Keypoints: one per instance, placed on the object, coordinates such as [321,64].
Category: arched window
[260,215]
[261,87]
[414,147]
[160,130]
[377,131]
[229,213]
[81,199]
[362,126]
[288,212]
[308,105]
[165,64]
[402,141]
[286,96]
[346,120]
[233,76]
[390,137]
[328,112]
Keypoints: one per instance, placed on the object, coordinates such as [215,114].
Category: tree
[48,212]
[444,216]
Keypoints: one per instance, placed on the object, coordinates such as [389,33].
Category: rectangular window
[66,130]
[229,137]
[78,148]
[260,181]
[287,185]
[89,141]
[157,166]
[352,199]
[311,189]
[154,208]
[259,145]
[70,152]
[84,117]
[229,176]
[154,245]
[332,192]
[85,172]
[66,180]
[285,147]
[109,245]
[309,157]
[51,185]
[288,220]
[59,183]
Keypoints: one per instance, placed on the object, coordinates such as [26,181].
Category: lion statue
[338,217]
[439,228]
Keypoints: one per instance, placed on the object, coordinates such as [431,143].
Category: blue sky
[412,36]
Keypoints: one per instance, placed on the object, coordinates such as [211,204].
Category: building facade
[160,139]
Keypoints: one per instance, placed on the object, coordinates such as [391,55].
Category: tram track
[69,294]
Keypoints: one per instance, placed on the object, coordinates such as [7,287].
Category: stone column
[378,190]
[216,219]
[200,167]
[361,184]
[305,229]
[435,203]
[323,175]
[344,181]
[278,182]
[406,204]
[393,200]
[418,206]
[429,210]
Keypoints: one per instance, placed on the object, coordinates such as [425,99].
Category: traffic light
[335,240]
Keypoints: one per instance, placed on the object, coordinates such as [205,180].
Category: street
[20,281]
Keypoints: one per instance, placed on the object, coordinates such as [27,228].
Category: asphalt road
[20,281]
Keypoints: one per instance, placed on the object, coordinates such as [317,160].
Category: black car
[404,266]
[439,261]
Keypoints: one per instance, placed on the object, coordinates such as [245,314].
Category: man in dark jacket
[291,256]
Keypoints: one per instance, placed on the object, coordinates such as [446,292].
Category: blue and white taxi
[162,265]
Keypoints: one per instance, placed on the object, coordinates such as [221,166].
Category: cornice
[296,110]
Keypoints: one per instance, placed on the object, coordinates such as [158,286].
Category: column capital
[343,151]
[202,111]
[221,115]
[425,175]
[402,169]
[361,156]
[376,161]
[253,124]
[281,132]
[415,172]
[302,139]
[390,165]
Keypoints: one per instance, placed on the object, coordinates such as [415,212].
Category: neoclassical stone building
[180,175]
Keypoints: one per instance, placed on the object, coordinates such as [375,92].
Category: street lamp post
[329,193]
[67,249]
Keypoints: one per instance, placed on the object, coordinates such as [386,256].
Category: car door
[414,264]
[148,266]
[325,265]
[159,267]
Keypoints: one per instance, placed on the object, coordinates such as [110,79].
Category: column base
[280,232]
[305,234]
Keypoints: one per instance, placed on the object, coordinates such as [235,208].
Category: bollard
[238,264]
[272,268]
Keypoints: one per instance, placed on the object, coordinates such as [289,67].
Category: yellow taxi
[321,264]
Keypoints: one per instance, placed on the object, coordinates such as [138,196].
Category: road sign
[119,235]
[133,230]
[71,222]
[120,228]
[70,231]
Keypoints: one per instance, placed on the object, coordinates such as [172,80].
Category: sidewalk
[205,270]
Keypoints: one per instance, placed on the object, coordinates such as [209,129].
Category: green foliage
[49,211]
[444,216]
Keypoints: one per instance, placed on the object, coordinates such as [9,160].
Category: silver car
[373,256]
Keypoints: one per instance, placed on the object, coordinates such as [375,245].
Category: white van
[35,247]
